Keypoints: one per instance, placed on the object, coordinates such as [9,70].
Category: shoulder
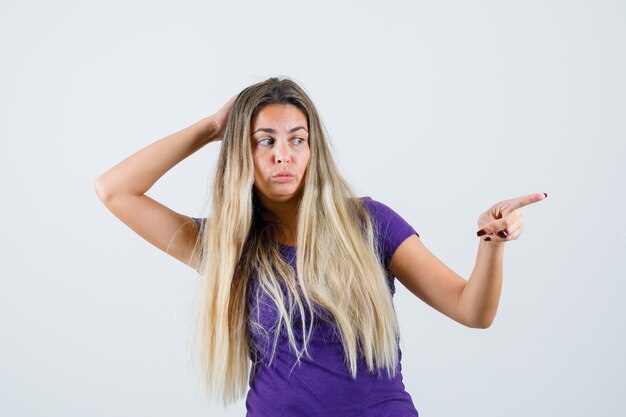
[391,228]
[382,213]
[376,208]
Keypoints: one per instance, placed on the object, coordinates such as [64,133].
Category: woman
[297,272]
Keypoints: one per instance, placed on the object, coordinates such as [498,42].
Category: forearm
[481,295]
[137,173]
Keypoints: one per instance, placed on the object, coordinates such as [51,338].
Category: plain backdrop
[438,109]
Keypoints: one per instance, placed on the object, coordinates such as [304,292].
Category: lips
[283,178]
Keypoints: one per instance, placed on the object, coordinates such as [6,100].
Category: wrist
[209,129]
[492,244]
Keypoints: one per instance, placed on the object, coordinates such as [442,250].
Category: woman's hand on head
[503,221]
[220,117]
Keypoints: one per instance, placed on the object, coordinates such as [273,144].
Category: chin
[282,198]
[280,195]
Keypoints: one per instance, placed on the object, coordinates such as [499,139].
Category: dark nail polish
[546,194]
[487,238]
[502,234]
[480,233]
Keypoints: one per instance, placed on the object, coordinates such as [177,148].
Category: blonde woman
[297,273]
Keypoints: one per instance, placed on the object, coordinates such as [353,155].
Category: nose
[282,152]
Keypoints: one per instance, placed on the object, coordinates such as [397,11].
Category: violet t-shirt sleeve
[199,222]
[392,228]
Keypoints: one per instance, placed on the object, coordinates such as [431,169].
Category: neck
[286,214]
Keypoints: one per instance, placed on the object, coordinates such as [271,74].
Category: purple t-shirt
[322,385]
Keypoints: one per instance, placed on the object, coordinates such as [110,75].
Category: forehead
[280,117]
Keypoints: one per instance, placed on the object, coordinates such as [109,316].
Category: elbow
[485,324]
[480,323]
[101,190]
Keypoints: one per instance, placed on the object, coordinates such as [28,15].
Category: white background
[436,108]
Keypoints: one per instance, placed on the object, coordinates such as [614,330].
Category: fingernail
[480,233]
[502,234]
[546,194]
[487,238]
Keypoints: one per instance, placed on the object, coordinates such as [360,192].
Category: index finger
[524,200]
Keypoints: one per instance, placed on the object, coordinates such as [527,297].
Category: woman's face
[280,150]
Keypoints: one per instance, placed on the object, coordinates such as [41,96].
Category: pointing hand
[503,221]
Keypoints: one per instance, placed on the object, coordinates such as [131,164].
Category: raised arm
[122,188]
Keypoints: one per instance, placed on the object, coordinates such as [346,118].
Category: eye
[267,141]
[298,141]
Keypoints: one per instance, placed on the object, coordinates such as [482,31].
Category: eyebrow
[269,130]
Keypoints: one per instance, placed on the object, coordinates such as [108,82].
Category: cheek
[257,165]
[260,173]
[306,161]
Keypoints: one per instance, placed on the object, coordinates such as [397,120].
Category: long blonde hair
[337,263]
